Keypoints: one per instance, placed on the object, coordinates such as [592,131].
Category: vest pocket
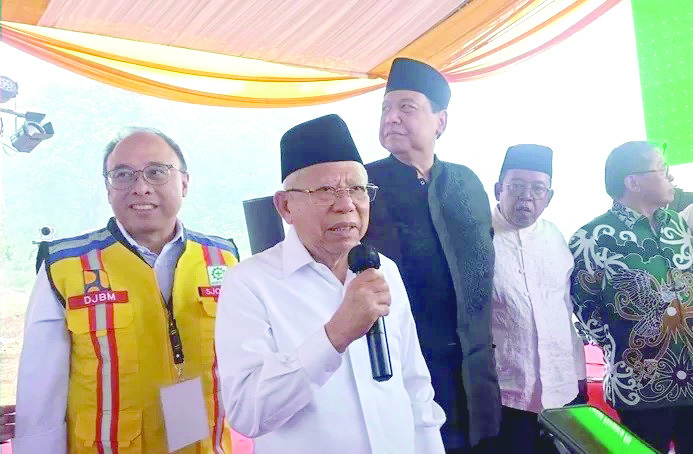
[210,307]
[104,316]
[207,322]
[113,326]
[127,424]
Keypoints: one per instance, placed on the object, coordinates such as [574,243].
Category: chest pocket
[127,436]
[207,322]
[106,328]
[216,268]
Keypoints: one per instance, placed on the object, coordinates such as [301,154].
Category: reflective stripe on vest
[106,351]
[214,257]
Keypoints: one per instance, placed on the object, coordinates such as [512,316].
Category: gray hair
[291,179]
[624,160]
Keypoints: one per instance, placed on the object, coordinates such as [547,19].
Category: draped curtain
[245,53]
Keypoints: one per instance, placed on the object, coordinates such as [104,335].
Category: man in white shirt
[293,358]
[539,357]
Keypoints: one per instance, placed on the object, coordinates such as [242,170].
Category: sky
[582,98]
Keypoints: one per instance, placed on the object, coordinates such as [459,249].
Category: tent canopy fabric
[281,53]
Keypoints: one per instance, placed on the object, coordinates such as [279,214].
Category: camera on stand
[47,233]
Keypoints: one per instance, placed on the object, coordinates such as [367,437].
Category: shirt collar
[630,216]
[500,224]
[177,237]
[294,253]
[295,256]
[405,171]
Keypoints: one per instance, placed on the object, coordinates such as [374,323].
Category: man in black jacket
[433,219]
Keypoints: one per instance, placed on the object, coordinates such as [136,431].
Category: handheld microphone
[361,258]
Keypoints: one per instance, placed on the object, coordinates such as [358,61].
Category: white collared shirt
[164,263]
[44,365]
[539,356]
[285,385]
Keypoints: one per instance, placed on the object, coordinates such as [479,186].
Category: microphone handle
[379,351]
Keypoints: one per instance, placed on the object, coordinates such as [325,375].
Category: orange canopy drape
[289,54]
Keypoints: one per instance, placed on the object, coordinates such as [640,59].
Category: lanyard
[213,259]
[174,336]
[174,339]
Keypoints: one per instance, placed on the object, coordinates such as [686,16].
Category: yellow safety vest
[121,353]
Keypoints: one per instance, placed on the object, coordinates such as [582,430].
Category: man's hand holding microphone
[366,301]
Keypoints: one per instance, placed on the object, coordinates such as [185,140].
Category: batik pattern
[632,289]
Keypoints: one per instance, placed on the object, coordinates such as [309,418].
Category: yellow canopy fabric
[146,68]
[313,64]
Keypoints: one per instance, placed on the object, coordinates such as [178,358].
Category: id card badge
[185,415]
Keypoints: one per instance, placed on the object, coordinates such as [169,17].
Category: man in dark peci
[540,358]
[293,357]
[433,219]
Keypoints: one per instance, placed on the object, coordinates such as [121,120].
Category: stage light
[32,132]
[8,89]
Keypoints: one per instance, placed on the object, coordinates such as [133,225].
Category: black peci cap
[408,74]
[323,139]
[528,156]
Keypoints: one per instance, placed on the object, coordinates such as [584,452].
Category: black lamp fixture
[8,89]
[32,132]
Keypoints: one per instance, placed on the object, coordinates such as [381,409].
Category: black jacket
[439,234]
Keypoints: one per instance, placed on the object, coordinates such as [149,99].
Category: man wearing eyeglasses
[119,334]
[434,220]
[632,289]
[539,356]
[293,357]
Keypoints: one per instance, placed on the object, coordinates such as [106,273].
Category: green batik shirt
[632,289]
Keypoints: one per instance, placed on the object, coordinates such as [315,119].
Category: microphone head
[362,257]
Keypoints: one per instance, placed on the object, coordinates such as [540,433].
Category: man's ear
[497,189]
[632,184]
[549,196]
[108,192]
[442,123]
[281,203]
[185,178]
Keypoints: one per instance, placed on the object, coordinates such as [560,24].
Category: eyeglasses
[665,169]
[536,191]
[154,174]
[327,195]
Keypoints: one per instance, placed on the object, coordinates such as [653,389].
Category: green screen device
[582,429]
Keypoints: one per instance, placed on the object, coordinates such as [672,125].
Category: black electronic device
[583,429]
[265,227]
[362,257]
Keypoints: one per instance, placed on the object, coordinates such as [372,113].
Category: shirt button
[671,311]
[287,358]
[526,293]
[422,181]
[521,271]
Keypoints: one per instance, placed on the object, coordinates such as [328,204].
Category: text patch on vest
[212,291]
[100,297]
